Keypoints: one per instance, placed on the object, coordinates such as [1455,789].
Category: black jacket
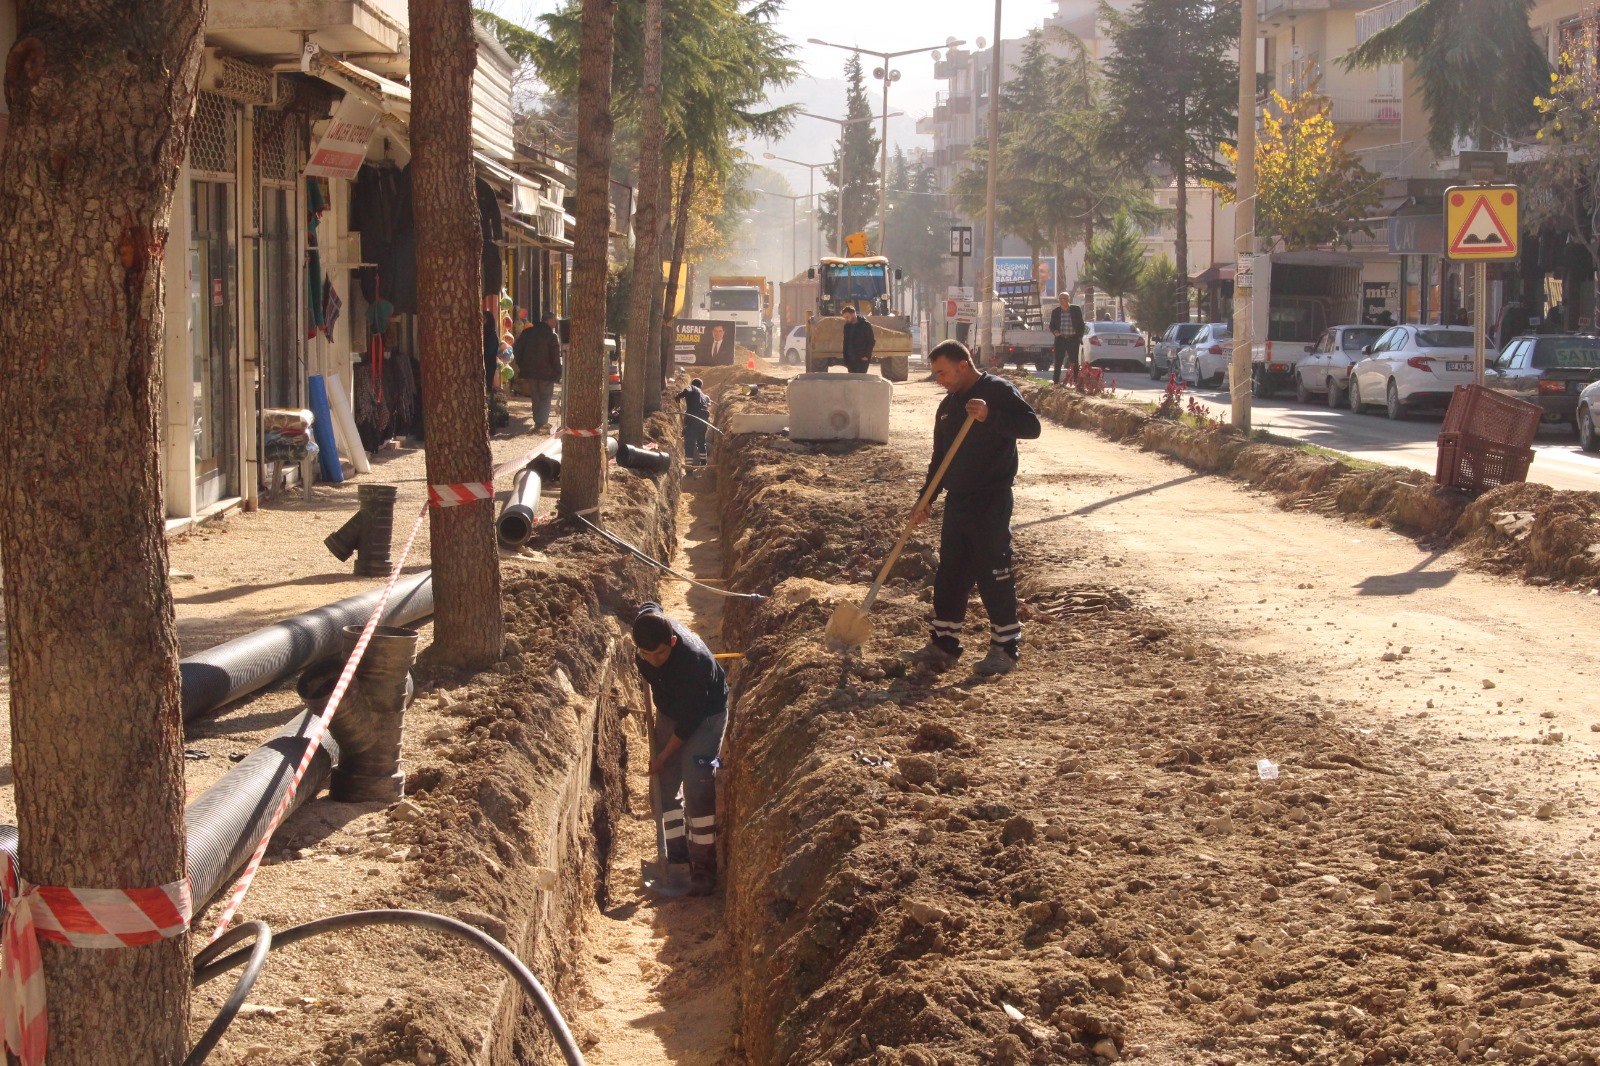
[858,341]
[696,402]
[988,457]
[690,686]
[537,353]
[1064,320]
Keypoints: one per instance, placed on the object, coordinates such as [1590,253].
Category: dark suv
[1550,371]
[1163,357]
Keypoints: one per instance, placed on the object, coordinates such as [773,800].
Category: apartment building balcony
[1374,19]
[371,33]
[1267,9]
[1377,110]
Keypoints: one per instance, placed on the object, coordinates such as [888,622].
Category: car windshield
[1221,331]
[854,281]
[735,299]
[1444,338]
[1113,327]
[1575,352]
[1353,340]
[1187,332]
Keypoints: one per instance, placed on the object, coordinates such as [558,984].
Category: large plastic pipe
[225,822]
[548,464]
[217,676]
[515,524]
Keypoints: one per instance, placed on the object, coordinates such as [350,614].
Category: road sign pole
[1480,320]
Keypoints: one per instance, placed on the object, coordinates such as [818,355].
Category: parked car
[1588,407]
[1552,372]
[1206,359]
[1113,346]
[794,346]
[1412,366]
[1162,359]
[1325,369]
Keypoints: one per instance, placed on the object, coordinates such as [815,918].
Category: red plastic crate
[1491,416]
[1471,462]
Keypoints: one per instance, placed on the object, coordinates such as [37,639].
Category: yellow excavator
[865,282]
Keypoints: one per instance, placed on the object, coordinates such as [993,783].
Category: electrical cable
[619,542]
[697,418]
[207,966]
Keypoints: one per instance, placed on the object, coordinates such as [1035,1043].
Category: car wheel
[1334,397]
[1155,375]
[1260,387]
[1301,393]
[1392,405]
[1587,439]
[1355,395]
[791,356]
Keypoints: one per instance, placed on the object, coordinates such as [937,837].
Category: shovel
[658,875]
[851,627]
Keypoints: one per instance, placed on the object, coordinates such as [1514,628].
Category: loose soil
[1083,860]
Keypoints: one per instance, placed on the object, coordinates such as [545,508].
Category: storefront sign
[700,342]
[344,146]
[1416,235]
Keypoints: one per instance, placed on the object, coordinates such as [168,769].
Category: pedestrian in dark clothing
[690,695]
[696,413]
[538,357]
[1066,322]
[858,341]
[975,543]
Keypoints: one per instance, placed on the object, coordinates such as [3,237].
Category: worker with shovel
[686,704]
[975,544]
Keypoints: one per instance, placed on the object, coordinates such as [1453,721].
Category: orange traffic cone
[752,363]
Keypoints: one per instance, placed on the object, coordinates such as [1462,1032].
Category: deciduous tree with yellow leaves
[1311,191]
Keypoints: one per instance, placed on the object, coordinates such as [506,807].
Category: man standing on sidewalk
[859,341]
[690,694]
[1066,322]
[975,543]
[538,359]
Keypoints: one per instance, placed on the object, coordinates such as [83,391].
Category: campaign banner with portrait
[701,342]
[1019,268]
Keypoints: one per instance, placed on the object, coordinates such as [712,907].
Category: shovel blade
[848,629]
[664,878]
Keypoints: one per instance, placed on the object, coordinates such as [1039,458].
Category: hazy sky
[887,25]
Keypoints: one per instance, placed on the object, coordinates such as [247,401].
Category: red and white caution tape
[314,735]
[456,495]
[567,431]
[82,918]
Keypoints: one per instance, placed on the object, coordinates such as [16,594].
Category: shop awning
[1215,274]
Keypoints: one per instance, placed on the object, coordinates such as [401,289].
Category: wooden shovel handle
[926,498]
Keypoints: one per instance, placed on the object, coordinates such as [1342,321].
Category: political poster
[1019,268]
[701,342]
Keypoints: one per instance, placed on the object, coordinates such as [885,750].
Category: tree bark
[99,124]
[469,628]
[1181,244]
[680,232]
[646,257]
[583,459]
[653,376]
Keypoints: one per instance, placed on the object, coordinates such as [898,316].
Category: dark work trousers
[694,438]
[975,546]
[687,787]
[857,366]
[1066,353]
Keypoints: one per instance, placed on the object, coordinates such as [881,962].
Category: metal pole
[1480,317]
[794,220]
[1245,222]
[990,237]
[883,167]
[811,205]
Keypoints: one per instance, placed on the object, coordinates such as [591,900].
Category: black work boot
[702,878]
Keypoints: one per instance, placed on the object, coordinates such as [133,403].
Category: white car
[1412,366]
[794,346]
[1325,369]
[1112,346]
[1206,359]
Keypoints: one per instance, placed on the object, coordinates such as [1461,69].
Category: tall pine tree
[854,173]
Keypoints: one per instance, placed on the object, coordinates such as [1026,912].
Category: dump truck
[866,283]
[746,301]
[1306,292]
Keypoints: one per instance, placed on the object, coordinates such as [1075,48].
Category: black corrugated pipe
[377,530]
[647,460]
[370,722]
[225,822]
[515,524]
[548,464]
[218,676]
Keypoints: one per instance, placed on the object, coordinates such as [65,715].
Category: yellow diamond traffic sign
[1480,222]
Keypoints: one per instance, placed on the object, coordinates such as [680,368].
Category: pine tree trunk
[680,231]
[583,459]
[646,257]
[99,123]
[1181,245]
[468,626]
[653,376]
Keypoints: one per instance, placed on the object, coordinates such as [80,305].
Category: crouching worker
[689,692]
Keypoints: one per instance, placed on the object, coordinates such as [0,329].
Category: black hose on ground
[208,967]
[215,677]
[256,958]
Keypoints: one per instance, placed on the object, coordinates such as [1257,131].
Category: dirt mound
[1133,846]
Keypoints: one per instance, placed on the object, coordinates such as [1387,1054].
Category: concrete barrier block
[839,407]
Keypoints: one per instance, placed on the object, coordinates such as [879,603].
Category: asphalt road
[1558,461]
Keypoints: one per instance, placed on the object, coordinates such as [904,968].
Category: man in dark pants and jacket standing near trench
[859,341]
[975,544]
[690,693]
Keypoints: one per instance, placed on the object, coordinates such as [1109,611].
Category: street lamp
[841,123]
[811,185]
[794,220]
[886,75]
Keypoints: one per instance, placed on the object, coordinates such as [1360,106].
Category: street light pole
[986,312]
[888,75]
[1245,226]
[811,192]
[841,123]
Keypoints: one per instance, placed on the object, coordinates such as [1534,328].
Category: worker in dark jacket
[975,544]
[696,413]
[538,358]
[858,341]
[690,694]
